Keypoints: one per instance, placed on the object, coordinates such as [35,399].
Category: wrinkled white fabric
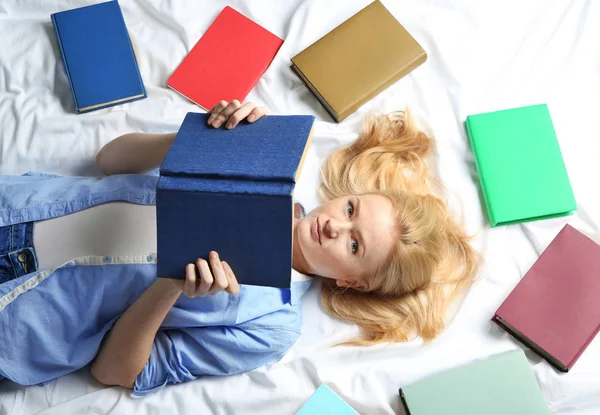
[483,56]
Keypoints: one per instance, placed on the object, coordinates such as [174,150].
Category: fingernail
[213,255]
[229,125]
[210,119]
[251,118]
[217,124]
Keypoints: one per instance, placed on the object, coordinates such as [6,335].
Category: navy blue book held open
[231,191]
[98,56]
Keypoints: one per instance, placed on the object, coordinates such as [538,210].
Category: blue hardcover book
[231,191]
[98,56]
[325,402]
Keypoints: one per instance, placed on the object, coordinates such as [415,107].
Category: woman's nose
[334,228]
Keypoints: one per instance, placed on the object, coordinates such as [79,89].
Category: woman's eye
[350,209]
[354,246]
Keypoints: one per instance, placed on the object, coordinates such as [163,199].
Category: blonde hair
[432,261]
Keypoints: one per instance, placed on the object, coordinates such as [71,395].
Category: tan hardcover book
[357,60]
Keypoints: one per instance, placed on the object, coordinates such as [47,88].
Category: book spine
[314,91]
[111,104]
[183,95]
[393,79]
[527,342]
[404,403]
[64,59]
[232,177]
[486,201]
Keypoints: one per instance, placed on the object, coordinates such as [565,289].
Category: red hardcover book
[227,61]
[555,308]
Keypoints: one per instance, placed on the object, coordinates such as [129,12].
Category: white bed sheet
[483,55]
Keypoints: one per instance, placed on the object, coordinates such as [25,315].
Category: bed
[483,56]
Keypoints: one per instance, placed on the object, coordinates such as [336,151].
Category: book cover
[521,169]
[357,60]
[499,385]
[324,401]
[231,191]
[227,61]
[554,309]
[98,56]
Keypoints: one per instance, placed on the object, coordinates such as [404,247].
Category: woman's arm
[134,153]
[139,153]
[128,345]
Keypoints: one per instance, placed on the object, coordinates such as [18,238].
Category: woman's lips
[316,232]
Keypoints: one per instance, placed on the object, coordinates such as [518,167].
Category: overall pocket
[17,254]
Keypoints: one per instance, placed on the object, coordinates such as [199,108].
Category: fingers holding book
[231,113]
[212,277]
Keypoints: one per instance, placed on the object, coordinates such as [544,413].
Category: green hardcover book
[500,385]
[521,170]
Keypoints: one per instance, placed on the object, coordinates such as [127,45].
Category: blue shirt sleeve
[181,355]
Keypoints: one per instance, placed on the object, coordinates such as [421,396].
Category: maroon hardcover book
[555,309]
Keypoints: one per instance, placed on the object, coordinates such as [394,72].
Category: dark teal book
[98,56]
[324,401]
[521,169]
[231,191]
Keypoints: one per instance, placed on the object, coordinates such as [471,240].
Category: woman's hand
[221,278]
[231,113]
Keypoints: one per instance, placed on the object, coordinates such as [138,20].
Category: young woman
[390,256]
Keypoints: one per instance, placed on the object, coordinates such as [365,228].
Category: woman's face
[346,238]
